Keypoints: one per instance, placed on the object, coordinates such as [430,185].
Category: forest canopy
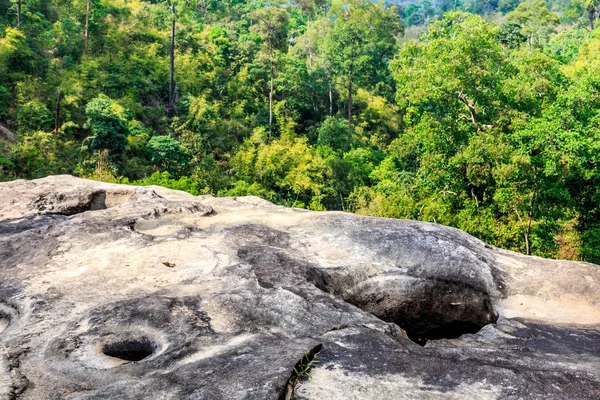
[483,115]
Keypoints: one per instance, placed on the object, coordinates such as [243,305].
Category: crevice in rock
[300,371]
[130,350]
[163,208]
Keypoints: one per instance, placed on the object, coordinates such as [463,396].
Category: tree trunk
[463,97]
[529,220]
[330,100]
[310,51]
[271,88]
[86,34]
[592,16]
[57,121]
[350,101]
[19,14]
[171,107]
[527,231]
[271,100]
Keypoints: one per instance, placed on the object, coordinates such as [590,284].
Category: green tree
[15,54]
[314,45]
[168,155]
[535,20]
[334,132]
[583,13]
[107,125]
[510,35]
[507,6]
[471,155]
[272,29]
[361,43]
[37,155]
[453,74]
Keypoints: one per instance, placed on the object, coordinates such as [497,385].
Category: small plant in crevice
[301,371]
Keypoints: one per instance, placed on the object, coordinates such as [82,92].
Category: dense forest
[419,12]
[483,115]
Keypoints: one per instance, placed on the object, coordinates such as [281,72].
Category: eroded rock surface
[118,292]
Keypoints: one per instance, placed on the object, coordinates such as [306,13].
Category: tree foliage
[483,115]
[109,129]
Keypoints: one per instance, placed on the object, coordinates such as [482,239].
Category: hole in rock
[429,309]
[441,312]
[451,330]
[130,349]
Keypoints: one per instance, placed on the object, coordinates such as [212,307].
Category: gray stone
[120,292]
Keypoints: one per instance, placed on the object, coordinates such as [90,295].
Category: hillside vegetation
[489,121]
[418,12]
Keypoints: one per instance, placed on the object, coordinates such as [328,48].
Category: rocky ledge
[119,292]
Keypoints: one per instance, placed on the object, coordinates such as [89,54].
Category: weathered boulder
[118,292]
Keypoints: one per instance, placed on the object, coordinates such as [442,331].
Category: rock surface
[117,292]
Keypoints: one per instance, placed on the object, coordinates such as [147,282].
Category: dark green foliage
[167,155]
[507,6]
[510,35]
[109,130]
[334,132]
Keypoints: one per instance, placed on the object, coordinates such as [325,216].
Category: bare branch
[471,106]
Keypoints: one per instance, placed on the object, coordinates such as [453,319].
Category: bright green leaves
[486,147]
[535,80]
[361,43]
[14,53]
[454,73]
[165,179]
[288,166]
[36,153]
[511,36]
[33,116]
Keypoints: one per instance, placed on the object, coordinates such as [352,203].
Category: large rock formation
[118,292]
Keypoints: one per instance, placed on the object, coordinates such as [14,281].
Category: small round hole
[130,349]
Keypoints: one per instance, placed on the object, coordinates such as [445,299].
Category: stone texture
[117,292]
